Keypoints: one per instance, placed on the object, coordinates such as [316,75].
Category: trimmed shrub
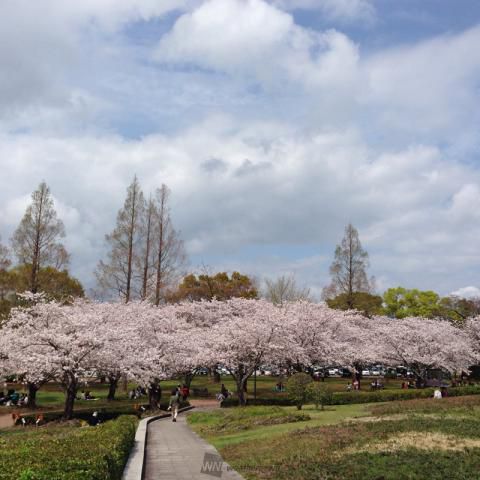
[68,452]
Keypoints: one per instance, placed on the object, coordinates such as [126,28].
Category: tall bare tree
[35,241]
[169,252]
[117,274]
[348,270]
[147,257]
[285,289]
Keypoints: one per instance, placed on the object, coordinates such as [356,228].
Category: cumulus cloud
[265,43]
[467,292]
[267,190]
[271,135]
[347,11]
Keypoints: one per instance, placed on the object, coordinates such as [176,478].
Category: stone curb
[136,460]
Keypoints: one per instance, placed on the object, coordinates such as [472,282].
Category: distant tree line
[146,260]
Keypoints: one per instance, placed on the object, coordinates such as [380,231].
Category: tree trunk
[112,387]
[188,379]
[241,380]
[32,395]
[358,374]
[154,395]
[70,395]
[242,399]
[147,250]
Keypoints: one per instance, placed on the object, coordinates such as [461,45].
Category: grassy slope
[420,439]
[230,427]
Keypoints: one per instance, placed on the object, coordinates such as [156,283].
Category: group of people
[86,395]
[135,393]
[179,393]
[280,387]
[376,385]
[224,393]
[355,385]
[13,398]
[441,392]
[408,384]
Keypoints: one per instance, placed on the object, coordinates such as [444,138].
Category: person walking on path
[174,403]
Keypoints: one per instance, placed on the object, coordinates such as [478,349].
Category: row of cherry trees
[66,343]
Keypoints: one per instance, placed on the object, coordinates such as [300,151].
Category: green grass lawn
[417,439]
[51,395]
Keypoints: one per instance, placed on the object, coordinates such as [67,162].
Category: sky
[274,123]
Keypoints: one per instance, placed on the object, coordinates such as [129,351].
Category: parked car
[365,373]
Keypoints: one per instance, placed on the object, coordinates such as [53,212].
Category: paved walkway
[174,452]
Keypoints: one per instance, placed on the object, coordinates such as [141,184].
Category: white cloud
[253,38]
[467,292]
[430,87]
[269,133]
[273,187]
[346,11]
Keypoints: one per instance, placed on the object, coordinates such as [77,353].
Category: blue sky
[273,123]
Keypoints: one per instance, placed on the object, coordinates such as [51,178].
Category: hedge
[67,452]
[344,398]
[104,412]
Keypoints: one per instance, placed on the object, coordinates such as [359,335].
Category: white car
[376,373]
[366,373]
[333,371]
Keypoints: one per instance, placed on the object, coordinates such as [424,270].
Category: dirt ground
[6,420]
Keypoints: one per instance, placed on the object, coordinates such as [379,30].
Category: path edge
[135,465]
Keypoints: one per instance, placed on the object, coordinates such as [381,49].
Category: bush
[297,387]
[319,394]
[347,398]
[68,452]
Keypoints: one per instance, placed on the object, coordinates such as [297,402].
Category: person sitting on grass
[224,391]
[279,387]
[174,403]
[12,398]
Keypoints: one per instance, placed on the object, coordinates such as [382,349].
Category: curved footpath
[172,451]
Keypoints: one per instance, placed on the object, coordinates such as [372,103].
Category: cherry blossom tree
[250,334]
[312,331]
[43,341]
[56,341]
[422,344]
[472,330]
[154,342]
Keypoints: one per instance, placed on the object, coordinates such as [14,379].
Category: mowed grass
[417,439]
[228,427]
